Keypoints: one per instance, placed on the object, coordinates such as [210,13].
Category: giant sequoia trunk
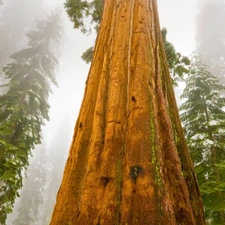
[129,163]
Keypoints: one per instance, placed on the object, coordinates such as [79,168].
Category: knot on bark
[133,99]
[105,180]
[134,172]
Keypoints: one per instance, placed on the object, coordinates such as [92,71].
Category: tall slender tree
[129,162]
[204,121]
[24,107]
[17,18]
[210,36]
[32,193]
[57,155]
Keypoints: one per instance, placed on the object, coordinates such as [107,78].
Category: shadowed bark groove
[129,163]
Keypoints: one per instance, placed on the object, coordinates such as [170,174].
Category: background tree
[57,155]
[32,194]
[129,162]
[210,37]
[24,107]
[17,18]
[204,122]
[37,199]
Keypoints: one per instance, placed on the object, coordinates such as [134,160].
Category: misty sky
[178,16]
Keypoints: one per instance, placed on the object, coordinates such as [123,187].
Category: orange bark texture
[129,163]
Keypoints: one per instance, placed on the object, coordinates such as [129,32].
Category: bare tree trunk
[129,163]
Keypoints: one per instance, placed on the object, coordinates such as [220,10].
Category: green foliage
[24,107]
[203,118]
[80,11]
[87,55]
[178,64]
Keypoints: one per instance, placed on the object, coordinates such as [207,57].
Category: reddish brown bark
[129,163]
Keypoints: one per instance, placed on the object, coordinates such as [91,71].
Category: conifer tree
[58,152]
[203,118]
[32,194]
[17,18]
[24,107]
[210,36]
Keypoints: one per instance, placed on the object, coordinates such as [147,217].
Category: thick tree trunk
[129,163]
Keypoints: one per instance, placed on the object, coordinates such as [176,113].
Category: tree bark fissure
[124,165]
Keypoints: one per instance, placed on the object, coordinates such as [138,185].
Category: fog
[178,16]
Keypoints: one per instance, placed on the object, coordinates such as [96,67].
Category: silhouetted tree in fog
[24,107]
[210,38]
[32,194]
[37,198]
[17,18]
[57,155]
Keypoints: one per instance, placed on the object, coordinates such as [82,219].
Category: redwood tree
[129,162]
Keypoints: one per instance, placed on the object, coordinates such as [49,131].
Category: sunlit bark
[129,163]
